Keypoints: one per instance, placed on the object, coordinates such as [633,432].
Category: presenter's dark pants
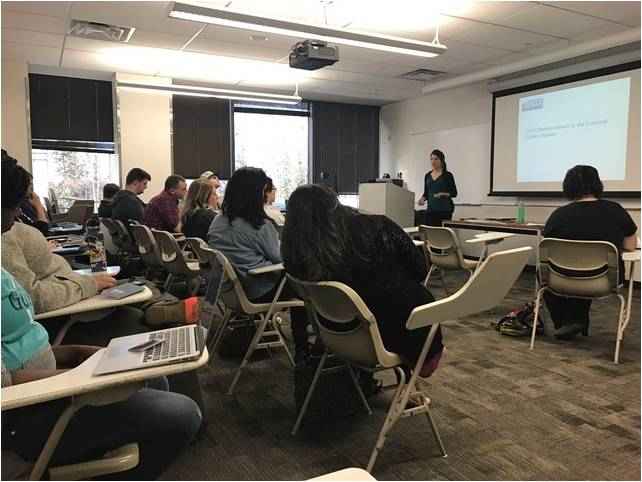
[435,218]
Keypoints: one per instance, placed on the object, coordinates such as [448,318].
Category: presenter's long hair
[442,158]
[315,241]
[244,196]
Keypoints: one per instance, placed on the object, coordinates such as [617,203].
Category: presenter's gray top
[444,183]
[247,248]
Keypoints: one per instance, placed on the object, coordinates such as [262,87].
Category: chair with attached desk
[83,389]
[350,332]
[442,251]
[147,248]
[238,309]
[580,269]
[176,262]
[121,237]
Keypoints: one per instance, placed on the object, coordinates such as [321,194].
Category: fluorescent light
[212,92]
[385,43]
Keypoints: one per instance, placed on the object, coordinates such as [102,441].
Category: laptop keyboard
[177,343]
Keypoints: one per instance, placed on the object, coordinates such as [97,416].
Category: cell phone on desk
[146,345]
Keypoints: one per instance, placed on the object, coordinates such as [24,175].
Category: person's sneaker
[568,332]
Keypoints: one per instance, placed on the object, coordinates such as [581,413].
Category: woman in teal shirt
[439,191]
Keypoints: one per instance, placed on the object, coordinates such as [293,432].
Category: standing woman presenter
[439,191]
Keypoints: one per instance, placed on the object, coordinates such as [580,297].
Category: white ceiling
[478,35]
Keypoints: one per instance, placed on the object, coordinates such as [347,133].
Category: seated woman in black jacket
[326,241]
[586,218]
[199,209]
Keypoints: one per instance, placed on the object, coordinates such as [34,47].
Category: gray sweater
[247,248]
[47,277]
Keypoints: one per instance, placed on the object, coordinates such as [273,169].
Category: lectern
[387,198]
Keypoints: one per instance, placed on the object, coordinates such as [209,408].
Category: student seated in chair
[126,204]
[272,211]
[47,277]
[162,423]
[105,207]
[162,211]
[326,241]
[199,209]
[586,218]
[244,234]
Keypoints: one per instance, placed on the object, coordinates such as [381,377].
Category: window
[275,142]
[73,175]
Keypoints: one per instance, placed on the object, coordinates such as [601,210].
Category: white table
[418,243]
[488,239]
[112,270]
[84,389]
[96,303]
[271,268]
[412,230]
[346,474]
[82,380]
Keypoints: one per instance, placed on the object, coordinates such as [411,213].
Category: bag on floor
[165,309]
[335,394]
[235,341]
[519,322]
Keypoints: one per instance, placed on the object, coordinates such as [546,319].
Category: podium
[389,199]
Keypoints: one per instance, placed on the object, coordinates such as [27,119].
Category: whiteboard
[467,151]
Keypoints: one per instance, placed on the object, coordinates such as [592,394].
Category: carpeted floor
[563,411]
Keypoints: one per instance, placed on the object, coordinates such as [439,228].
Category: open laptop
[144,350]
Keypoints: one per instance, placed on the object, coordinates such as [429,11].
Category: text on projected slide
[580,125]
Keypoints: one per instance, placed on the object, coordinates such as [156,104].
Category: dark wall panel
[202,135]
[70,109]
[345,144]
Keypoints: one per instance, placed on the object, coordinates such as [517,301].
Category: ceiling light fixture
[303,31]
[212,92]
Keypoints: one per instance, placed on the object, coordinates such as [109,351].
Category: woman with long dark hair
[244,235]
[326,241]
[439,190]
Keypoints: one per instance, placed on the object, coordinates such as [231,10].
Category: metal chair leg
[388,423]
[255,341]
[212,343]
[435,432]
[308,396]
[430,270]
[355,380]
[620,329]
[443,281]
[538,301]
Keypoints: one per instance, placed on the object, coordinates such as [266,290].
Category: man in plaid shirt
[162,211]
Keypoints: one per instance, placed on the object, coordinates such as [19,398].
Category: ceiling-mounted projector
[313,55]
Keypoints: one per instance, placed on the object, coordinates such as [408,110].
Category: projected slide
[580,125]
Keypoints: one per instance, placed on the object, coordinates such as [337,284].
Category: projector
[313,55]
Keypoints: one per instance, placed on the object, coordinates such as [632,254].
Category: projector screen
[542,130]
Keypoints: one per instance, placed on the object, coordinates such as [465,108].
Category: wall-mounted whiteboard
[467,151]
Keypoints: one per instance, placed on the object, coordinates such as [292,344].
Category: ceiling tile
[492,12]
[210,46]
[497,36]
[158,40]
[34,54]
[554,21]
[51,9]
[36,23]
[32,38]
[627,13]
[150,16]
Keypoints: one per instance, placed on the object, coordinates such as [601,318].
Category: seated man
[126,204]
[162,211]
[109,191]
[586,218]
